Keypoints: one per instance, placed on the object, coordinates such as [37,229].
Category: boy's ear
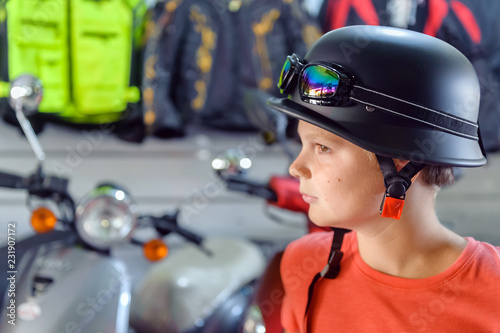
[399,163]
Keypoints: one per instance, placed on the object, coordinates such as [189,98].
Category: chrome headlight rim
[120,199]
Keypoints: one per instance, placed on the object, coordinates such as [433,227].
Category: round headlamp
[106,217]
[232,162]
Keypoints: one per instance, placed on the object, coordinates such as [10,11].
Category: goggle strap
[396,184]
[448,123]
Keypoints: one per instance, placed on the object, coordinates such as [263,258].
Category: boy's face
[341,182]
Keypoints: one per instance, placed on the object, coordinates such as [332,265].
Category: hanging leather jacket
[204,55]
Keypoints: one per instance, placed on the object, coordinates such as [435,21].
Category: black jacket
[204,55]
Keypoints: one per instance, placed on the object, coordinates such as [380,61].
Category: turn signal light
[155,250]
[43,220]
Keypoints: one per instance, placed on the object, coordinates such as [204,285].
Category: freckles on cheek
[329,182]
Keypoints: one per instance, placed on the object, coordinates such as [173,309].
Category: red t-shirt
[464,298]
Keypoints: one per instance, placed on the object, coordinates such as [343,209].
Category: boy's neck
[417,246]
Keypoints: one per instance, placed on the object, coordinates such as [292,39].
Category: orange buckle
[392,207]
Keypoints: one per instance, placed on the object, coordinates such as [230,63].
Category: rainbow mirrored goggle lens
[285,73]
[319,83]
[291,66]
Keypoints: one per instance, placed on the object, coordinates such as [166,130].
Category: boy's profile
[384,116]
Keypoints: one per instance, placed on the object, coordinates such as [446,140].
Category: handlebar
[281,191]
[49,185]
[164,226]
[168,223]
[241,184]
[36,184]
[8,180]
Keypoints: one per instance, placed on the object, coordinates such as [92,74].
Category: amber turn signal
[43,220]
[155,250]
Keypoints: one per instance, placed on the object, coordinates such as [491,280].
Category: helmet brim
[401,139]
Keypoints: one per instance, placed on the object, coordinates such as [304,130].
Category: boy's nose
[298,170]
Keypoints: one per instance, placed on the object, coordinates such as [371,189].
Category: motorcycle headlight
[106,217]
[254,321]
[232,162]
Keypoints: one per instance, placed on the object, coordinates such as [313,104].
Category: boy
[382,109]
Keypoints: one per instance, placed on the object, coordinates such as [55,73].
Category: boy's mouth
[309,198]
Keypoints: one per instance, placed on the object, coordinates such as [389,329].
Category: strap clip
[392,207]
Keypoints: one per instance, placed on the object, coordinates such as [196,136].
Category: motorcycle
[67,280]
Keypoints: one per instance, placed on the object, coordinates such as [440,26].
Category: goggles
[329,84]
[319,83]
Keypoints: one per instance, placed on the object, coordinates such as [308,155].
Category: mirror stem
[30,133]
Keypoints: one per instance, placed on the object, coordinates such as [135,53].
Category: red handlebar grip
[288,194]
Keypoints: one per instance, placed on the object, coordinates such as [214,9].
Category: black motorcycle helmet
[394,92]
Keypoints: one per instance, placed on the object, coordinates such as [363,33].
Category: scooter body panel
[61,288]
[185,289]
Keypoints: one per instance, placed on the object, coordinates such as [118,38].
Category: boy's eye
[323,148]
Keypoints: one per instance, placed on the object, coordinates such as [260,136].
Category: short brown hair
[438,175]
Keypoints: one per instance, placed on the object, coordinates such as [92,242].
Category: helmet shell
[407,65]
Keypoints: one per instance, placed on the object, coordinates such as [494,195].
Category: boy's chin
[321,222]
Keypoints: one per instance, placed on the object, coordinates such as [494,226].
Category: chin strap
[396,184]
[331,269]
